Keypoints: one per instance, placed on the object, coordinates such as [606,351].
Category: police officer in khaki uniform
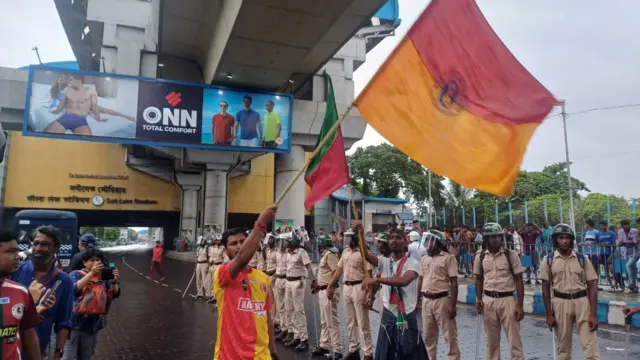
[498,274]
[439,275]
[271,264]
[329,320]
[298,267]
[280,288]
[354,267]
[572,279]
[202,270]
[216,258]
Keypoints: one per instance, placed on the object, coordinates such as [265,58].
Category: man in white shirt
[399,335]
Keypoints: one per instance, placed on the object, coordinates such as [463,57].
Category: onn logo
[174,98]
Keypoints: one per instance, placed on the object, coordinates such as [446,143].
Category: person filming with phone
[94,287]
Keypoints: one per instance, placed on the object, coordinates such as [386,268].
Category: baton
[478,330]
[627,328]
[553,338]
[189,285]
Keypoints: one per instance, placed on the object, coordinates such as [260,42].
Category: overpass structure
[271,45]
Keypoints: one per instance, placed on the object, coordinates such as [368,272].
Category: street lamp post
[566,148]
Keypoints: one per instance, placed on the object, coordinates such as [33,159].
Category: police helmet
[414,236]
[562,229]
[490,229]
[325,240]
[293,238]
[434,235]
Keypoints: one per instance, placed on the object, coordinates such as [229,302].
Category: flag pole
[363,251]
[315,152]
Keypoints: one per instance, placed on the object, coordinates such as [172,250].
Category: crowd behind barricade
[53,314]
[415,272]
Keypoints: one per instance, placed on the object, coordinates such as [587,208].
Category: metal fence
[547,209]
[616,265]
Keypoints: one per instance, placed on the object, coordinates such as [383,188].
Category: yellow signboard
[61,174]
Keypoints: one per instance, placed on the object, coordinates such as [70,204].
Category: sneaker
[292,344]
[161,279]
[302,346]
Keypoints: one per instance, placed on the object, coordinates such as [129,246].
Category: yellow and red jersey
[243,304]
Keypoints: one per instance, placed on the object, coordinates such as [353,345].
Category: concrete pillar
[189,207]
[292,206]
[215,197]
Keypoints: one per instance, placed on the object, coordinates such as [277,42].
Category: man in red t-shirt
[221,126]
[19,316]
[156,260]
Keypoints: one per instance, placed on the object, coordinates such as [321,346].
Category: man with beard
[498,274]
[355,294]
[244,297]
[575,295]
[439,276]
[399,336]
[19,315]
[330,342]
[40,269]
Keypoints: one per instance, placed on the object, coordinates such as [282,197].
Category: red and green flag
[328,171]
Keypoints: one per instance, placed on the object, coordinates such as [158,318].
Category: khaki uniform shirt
[497,276]
[272,260]
[203,254]
[255,259]
[352,265]
[262,262]
[297,260]
[437,272]
[216,254]
[328,264]
[281,262]
[568,275]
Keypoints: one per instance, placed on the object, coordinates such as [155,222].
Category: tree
[132,235]
[111,234]
[384,171]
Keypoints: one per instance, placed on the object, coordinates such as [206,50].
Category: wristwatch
[59,351]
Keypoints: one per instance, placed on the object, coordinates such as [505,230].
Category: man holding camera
[94,286]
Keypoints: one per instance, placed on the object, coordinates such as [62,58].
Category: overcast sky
[585,51]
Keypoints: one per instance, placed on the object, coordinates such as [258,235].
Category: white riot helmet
[414,236]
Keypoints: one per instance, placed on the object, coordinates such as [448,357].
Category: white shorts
[250,142]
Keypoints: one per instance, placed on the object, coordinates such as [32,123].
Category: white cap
[414,236]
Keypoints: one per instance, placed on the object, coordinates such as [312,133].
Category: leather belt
[270,273]
[352,283]
[498,294]
[281,276]
[203,262]
[570,296]
[217,263]
[325,287]
[434,296]
[297,278]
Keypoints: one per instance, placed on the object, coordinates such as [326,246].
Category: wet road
[151,322]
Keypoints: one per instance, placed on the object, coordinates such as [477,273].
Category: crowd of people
[259,281]
[40,301]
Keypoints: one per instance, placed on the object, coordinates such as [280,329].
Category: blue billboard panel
[134,110]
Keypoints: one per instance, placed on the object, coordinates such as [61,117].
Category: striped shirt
[243,306]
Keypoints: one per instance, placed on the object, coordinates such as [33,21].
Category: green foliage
[111,234]
[102,233]
[384,171]
[132,235]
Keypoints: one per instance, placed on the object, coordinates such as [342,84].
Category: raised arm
[251,245]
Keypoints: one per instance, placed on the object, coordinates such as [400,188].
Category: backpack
[93,300]
[581,260]
[507,253]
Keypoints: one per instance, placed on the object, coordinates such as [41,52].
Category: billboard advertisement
[103,107]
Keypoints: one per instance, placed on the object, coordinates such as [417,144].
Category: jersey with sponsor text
[243,304]
[18,314]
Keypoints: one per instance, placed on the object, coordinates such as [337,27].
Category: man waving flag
[328,171]
[452,97]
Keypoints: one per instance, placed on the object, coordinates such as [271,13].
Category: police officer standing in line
[353,265]
[202,270]
[329,319]
[298,266]
[271,255]
[572,279]
[255,260]
[439,275]
[498,274]
[216,258]
[279,290]
[382,242]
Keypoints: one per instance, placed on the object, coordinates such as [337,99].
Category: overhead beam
[221,36]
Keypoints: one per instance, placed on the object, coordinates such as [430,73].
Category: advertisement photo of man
[248,128]
[222,125]
[272,126]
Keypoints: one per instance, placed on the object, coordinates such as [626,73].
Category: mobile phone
[107,274]
[112,265]
[44,300]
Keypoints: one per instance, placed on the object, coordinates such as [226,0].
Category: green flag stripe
[330,118]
